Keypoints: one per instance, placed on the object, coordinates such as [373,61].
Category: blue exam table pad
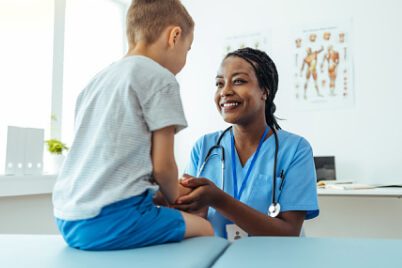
[312,253]
[48,251]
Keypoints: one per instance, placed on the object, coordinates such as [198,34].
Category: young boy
[126,119]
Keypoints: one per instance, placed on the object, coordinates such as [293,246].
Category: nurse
[237,203]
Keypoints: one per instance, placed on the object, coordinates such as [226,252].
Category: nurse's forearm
[256,223]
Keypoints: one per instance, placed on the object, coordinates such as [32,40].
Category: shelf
[26,185]
[375,192]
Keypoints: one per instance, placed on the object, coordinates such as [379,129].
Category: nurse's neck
[249,135]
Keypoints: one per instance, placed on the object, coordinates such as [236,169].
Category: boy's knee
[209,231]
[197,226]
[206,228]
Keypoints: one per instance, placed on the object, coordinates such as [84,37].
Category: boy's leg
[196,226]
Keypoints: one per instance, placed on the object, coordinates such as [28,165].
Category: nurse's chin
[231,118]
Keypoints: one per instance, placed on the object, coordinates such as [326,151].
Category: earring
[266,95]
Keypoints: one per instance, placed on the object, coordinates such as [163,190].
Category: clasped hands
[195,195]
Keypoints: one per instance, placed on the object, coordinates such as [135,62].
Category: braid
[267,77]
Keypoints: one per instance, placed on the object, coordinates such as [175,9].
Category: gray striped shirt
[110,158]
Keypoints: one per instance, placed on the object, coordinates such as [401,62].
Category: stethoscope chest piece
[274,210]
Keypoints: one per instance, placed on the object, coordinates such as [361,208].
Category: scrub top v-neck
[295,158]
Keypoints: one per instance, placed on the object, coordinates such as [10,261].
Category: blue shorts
[130,223]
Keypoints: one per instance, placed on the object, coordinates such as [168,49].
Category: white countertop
[43,184]
[26,185]
[375,192]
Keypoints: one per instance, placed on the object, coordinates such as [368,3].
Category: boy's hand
[160,200]
[204,194]
[184,190]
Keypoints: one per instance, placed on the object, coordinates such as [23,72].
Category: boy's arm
[164,165]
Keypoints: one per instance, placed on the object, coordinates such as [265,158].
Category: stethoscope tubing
[218,146]
[274,201]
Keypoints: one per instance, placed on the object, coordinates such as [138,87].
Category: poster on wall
[258,40]
[323,77]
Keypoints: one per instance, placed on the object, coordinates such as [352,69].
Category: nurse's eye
[219,84]
[239,81]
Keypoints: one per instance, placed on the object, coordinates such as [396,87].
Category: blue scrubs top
[295,158]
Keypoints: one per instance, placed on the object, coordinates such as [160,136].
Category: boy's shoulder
[145,67]
[143,72]
[138,73]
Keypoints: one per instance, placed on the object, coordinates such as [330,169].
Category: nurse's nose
[226,90]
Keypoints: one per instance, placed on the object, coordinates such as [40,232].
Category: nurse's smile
[229,106]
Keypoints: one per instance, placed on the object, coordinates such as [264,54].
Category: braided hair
[267,77]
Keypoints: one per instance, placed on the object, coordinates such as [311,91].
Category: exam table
[312,253]
[46,251]
[50,251]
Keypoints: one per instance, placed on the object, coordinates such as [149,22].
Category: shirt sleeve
[192,166]
[299,188]
[164,108]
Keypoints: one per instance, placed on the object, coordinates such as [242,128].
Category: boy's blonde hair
[146,19]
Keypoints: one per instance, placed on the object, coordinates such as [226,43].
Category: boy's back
[110,159]
[126,120]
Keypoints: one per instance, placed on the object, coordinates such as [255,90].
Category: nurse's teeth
[230,104]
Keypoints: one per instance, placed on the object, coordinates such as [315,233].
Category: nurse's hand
[204,194]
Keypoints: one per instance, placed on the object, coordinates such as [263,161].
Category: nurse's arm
[256,223]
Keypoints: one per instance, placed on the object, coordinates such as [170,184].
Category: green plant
[55,146]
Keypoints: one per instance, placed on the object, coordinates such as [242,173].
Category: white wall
[28,214]
[366,138]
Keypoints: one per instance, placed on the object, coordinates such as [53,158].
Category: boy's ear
[174,35]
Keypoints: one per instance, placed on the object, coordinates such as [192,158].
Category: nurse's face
[238,97]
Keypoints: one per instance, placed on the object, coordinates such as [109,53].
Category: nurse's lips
[229,105]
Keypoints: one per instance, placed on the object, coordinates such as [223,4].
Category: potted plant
[56,149]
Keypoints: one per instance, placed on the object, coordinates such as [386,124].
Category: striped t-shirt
[110,158]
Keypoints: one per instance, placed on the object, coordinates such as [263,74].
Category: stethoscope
[275,207]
